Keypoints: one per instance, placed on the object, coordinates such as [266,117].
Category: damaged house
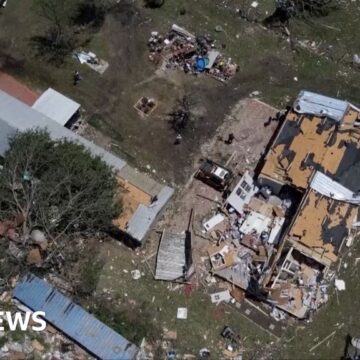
[143,199]
[290,222]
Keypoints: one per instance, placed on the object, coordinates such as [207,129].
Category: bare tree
[181,116]
[59,13]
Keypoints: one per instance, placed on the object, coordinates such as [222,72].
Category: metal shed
[56,106]
[94,336]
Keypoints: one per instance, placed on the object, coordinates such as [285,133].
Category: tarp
[201,64]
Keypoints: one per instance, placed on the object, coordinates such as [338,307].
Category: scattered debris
[204,353]
[277,314]
[218,297]
[254,93]
[34,257]
[170,335]
[136,274]
[91,60]
[182,313]
[322,341]
[340,284]
[214,221]
[356,59]
[181,49]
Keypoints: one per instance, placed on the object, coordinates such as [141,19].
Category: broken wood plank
[207,198]
[322,341]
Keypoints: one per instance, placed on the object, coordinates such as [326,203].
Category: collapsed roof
[309,141]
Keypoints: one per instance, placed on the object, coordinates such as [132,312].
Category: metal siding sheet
[320,105]
[144,216]
[332,189]
[73,321]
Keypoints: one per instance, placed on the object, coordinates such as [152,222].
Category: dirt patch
[131,76]
[18,90]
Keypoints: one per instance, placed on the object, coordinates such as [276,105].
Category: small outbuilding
[57,107]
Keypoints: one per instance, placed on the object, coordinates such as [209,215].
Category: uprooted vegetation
[51,192]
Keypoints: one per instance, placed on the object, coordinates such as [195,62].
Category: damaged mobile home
[143,199]
[289,222]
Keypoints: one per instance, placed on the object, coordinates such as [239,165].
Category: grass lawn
[268,61]
[277,66]
[148,307]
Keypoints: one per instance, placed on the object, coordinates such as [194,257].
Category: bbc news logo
[20,321]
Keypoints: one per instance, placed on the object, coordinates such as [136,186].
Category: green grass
[268,63]
[145,307]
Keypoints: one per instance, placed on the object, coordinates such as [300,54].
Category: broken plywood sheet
[221,256]
[305,142]
[260,206]
[289,297]
[322,224]
[130,197]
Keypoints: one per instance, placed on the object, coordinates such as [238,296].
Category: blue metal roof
[73,320]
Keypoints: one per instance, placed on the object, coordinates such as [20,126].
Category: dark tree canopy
[56,186]
[154,3]
[286,9]
[64,19]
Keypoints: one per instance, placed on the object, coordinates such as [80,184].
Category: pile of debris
[52,346]
[195,55]
[31,249]
[91,60]
[248,229]
[49,344]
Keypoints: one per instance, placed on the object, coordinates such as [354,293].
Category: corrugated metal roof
[320,105]
[73,321]
[144,216]
[56,106]
[332,189]
[171,259]
[22,117]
